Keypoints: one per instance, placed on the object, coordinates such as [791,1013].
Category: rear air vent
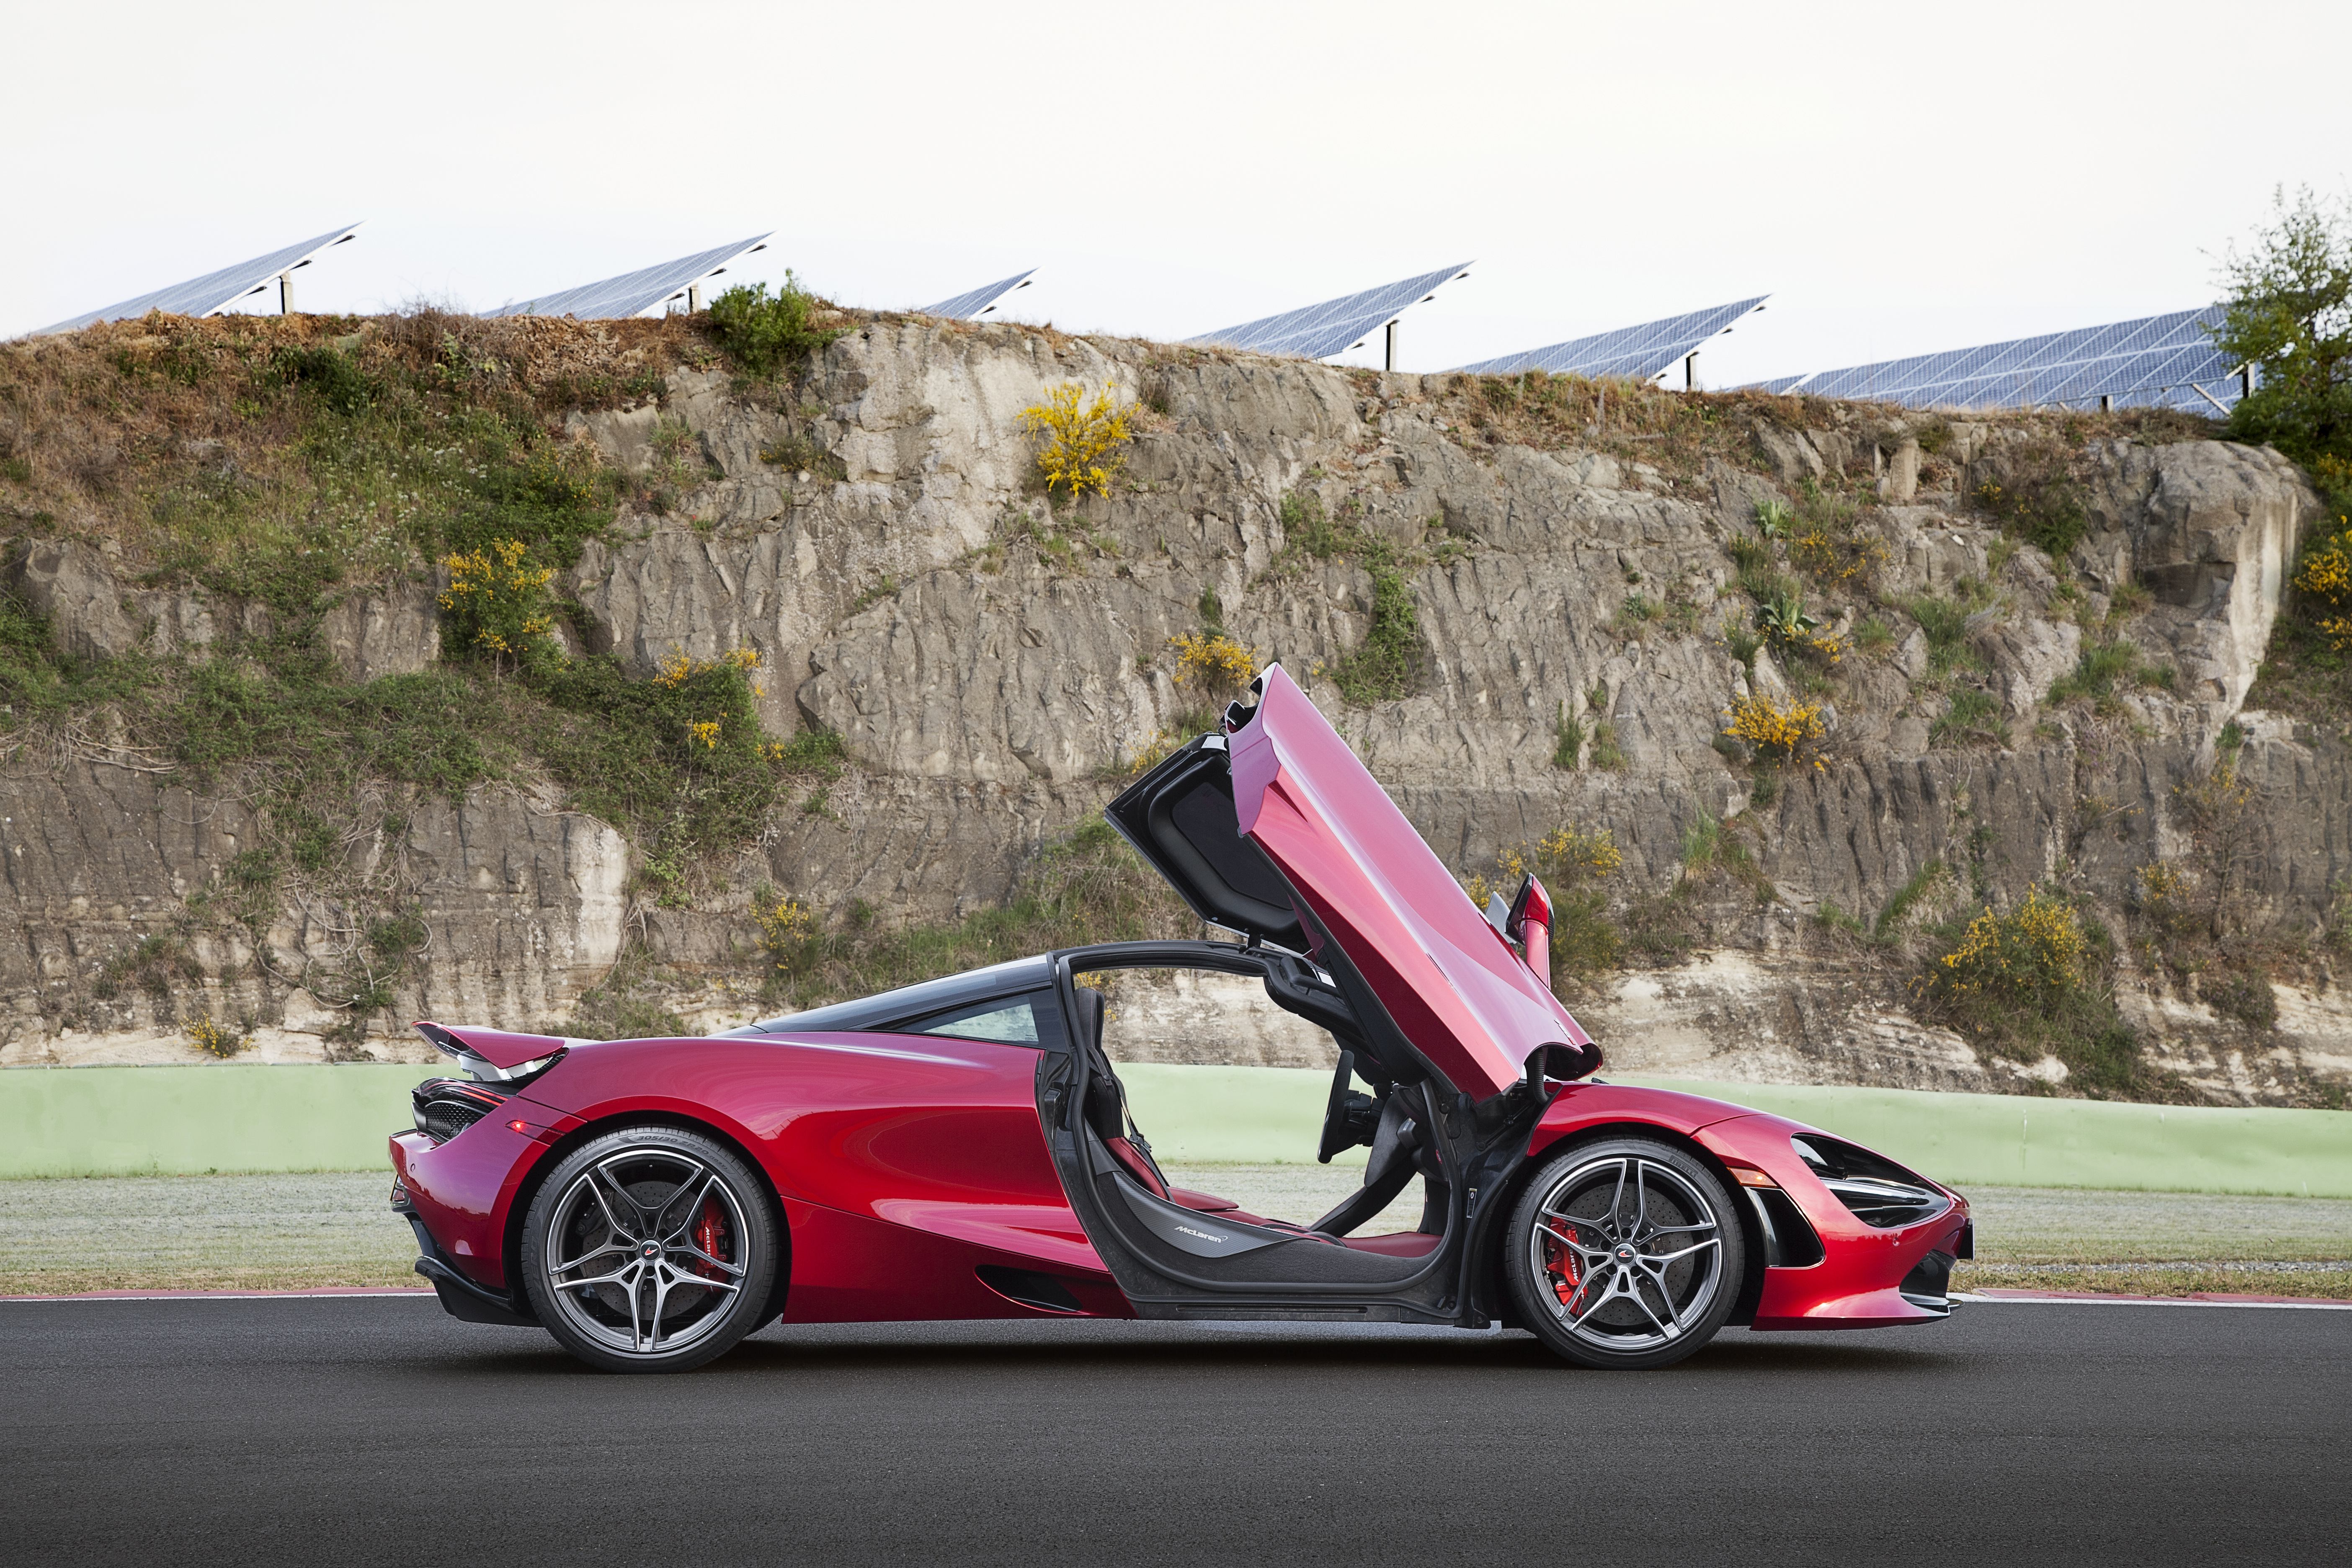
[444,1107]
[1878,1191]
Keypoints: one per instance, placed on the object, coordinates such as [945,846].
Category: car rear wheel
[649,1249]
[1625,1253]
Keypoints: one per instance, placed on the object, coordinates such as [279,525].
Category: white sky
[1899,178]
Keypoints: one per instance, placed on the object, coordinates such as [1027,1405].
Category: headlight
[1878,1191]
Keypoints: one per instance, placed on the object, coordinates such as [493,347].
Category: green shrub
[1391,661]
[1567,741]
[2040,503]
[767,335]
[2101,667]
[333,378]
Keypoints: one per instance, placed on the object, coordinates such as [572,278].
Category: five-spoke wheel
[1626,1253]
[649,1249]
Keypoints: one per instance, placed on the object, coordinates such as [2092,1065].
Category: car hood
[1281,817]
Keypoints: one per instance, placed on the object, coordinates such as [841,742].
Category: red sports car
[964,1148]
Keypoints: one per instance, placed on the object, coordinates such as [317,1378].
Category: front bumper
[1867,1278]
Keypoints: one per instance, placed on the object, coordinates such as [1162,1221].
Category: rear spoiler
[495,1056]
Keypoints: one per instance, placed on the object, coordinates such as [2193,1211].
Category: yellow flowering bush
[1083,437]
[2327,575]
[1777,731]
[215,1040]
[1213,663]
[497,601]
[786,928]
[2034,954]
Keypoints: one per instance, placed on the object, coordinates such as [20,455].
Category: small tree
[2289,314]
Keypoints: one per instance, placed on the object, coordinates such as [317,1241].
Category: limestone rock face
[67,582]
[995,660]
[394,631]
[523,907]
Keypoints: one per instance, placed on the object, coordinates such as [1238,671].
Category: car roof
[910,1000]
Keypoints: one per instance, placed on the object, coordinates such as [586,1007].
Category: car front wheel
[1624,1253]
[649,1249]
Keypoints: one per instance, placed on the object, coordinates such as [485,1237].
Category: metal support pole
[285,293]
[693,297]
[1690,370]
[1391,361]
[2107,404]
[2245,381]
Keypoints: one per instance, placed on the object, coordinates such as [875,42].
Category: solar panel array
[1335,326]
[1641,353]
[634,293]
[204,296]
[971,306]
[2166,361]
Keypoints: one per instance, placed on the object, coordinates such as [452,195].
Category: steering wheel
[1349,1117]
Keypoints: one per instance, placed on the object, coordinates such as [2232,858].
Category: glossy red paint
[464,1189]
[1855,1284]
[900,1158]
[1454,985]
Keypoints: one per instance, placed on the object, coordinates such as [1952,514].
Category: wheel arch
[1496,1236]
[528,1192]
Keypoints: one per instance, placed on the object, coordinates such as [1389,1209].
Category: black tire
[1638,1260]
[664,1248]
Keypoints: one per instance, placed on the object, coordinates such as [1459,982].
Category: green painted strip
[186,1121]
[2023,1141]
[75,1121]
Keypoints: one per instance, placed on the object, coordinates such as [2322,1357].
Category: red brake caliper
[1559,1262]
[709,1234]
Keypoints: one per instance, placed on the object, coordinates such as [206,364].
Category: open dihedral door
[1174,1259]
[1179,1254]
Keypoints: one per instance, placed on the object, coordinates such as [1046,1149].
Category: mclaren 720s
[965,1148]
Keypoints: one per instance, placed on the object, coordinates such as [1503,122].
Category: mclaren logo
[1203,1235]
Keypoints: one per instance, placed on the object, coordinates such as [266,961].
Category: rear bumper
[458,1198]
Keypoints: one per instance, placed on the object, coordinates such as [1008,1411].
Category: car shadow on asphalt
[998,1347]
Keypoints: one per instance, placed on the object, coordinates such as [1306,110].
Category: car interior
[1391,1118]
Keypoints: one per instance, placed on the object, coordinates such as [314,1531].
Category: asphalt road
[333,1431]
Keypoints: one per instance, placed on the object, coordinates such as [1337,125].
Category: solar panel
[205,296]
[1335,326]
[634,293]
[2166,361]
[980,301]
[1779,384]
[1641,353]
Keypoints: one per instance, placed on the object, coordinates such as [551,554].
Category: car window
[1032,1019]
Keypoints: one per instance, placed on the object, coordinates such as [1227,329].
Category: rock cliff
[1578,580]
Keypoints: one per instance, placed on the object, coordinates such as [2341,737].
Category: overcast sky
[1898,178]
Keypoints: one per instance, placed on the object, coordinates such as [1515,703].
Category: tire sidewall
[1527,1296]
[748,1307]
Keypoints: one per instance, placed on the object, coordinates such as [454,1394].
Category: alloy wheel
[1627,1254]
[646,1252]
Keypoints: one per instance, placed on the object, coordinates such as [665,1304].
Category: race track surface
[377,1430]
